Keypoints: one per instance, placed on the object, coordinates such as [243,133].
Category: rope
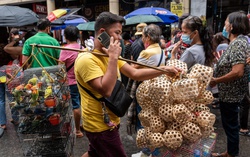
[33,54]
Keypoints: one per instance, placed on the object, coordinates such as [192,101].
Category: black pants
[230,123]
[244,110]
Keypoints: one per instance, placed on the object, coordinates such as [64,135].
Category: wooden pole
[98,54]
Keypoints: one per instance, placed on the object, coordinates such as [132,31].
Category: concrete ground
[10,146]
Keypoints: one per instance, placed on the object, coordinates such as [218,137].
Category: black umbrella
[14,16]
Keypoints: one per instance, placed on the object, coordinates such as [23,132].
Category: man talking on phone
[99,74]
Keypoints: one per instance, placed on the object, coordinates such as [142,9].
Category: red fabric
[168,44]
[218,54]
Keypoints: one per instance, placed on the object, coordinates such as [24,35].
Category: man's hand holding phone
[113,49]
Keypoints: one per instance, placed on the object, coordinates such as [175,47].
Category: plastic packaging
[197,153]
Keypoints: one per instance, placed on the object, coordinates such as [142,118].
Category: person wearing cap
[42,37]
[137,45]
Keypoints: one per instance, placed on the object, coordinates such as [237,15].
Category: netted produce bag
[172,139]
[191,132]
[157,124]
[160,87]
[203,74]
[185,89]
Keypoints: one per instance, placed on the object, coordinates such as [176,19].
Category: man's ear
[102,30]
[48,29]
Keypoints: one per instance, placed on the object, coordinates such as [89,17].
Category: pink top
[69,57]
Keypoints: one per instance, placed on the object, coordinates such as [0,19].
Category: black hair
[153,31]
[71,33]
[218,38]
[14,31]
[105,19]
[30,33]
[183,16]
[175,32]
[126,36]
[239,22]
[195,23]
[43,23]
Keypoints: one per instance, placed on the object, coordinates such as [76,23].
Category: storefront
[219,9]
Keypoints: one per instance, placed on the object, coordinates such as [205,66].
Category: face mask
[186,39]
[225,33]
[146,45]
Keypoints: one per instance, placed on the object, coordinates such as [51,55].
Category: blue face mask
[186,39]
[225,33]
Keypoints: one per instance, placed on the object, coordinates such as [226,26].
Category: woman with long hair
[200,39]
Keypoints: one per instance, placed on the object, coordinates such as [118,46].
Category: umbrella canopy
[14,16]
[70,19]
[75,22]
[57,13]
[143,18]
[166,16]
[89,26]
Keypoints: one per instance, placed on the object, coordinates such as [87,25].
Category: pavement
[11,146]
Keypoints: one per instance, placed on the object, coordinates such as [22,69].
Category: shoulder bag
[118,102]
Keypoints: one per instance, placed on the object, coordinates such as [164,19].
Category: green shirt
[42,38]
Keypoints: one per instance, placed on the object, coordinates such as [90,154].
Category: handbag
[118,102]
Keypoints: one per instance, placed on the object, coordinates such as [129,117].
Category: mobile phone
[104,38]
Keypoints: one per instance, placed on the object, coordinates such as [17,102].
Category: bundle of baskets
[174,110]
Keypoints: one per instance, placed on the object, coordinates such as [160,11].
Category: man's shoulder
[84,57]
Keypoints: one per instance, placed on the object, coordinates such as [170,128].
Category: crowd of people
[227,52]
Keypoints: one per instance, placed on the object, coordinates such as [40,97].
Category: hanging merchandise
[41,109]
[174,112]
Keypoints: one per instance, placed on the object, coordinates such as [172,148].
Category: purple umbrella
[166,16]
[75,22]
[69,19]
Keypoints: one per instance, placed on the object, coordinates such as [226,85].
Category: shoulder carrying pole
[98,54]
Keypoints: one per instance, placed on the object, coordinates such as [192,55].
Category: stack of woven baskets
[174,110]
